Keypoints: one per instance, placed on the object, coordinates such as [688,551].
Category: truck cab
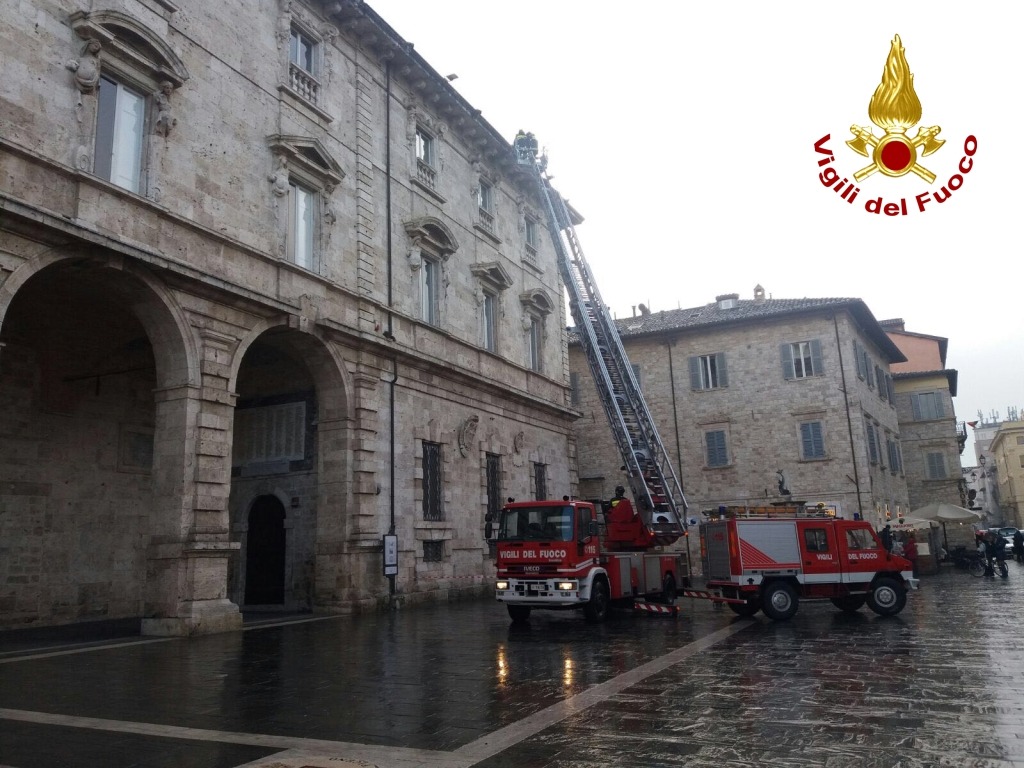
[555,555]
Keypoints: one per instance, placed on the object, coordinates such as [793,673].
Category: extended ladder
[657,491]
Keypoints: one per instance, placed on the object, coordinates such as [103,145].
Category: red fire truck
[566,554]
[772,558]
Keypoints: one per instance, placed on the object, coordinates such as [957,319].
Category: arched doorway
[265,553]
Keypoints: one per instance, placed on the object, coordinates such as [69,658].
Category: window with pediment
[493,280]
[126,76]
[302,183]
[537,306]
[431,243]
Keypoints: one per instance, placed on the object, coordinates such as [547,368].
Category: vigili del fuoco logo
[895,109]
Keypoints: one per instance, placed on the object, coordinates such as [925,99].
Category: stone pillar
[190,546]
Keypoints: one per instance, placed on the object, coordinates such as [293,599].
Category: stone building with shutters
[932,438]
[758,401]
[270,288]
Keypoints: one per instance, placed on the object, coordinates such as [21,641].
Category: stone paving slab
[456,686]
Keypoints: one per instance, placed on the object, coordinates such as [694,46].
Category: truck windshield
[536,524]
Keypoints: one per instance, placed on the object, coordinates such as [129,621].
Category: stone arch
[99,357]
[286,373]
[154,305]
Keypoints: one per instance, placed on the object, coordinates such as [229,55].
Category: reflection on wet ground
[939,685]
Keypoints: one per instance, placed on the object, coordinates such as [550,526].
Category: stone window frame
[493,281]
[134,56]
[485,196]
[425,131]
[537,305]
[430,242]
[306,163]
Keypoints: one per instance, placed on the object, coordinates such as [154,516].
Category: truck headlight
[567,586]
[501,586]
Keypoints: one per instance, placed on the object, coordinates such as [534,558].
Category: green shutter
[694,372]
[788,371]
[816,363]
[723,378]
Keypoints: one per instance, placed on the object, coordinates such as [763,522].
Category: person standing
[1018,546]
[886,535]
[910,551]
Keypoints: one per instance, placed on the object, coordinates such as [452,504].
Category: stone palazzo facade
[270,289]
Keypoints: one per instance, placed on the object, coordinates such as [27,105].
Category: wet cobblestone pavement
[942,684]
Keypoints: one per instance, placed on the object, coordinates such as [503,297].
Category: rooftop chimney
[759,294]
[644,311]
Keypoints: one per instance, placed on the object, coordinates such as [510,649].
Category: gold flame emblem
[895,109]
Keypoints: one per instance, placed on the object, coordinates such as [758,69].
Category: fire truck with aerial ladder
[577,554]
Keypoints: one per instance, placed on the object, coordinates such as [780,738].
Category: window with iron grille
[433,551]
[432,481]
[540,481]
[493,485]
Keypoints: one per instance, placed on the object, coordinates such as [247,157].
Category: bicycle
[979,568]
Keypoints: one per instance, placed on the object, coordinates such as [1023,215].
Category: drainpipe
[849,421]
[389,333]
[679,450]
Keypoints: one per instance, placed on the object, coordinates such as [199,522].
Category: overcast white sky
[684,133]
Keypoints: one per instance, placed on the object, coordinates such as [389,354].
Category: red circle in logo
[895,156]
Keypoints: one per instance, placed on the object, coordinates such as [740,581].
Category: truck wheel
[597,609]
[888,597]
[849,603]
[519,613]
[748,608]
[668,589]
[779,601]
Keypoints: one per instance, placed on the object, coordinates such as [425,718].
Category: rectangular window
[494,485]
[485,197]
[927,406]
[708,372]
[433,551]
[1020,439]
[302,220]
[717,455]
[430,280]
[269,434]
[816,539]
[868,369]
[802,359]
[302,52]
[120,121]
[936,466]
[872,446]
[574,389]
[531,234]
[894,456]
[535,344]
[432,509]
[890,393]
[1021,457]
[489,312]
[858,359]
[424,147]
[880,378]
[812,440]
[540,481]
